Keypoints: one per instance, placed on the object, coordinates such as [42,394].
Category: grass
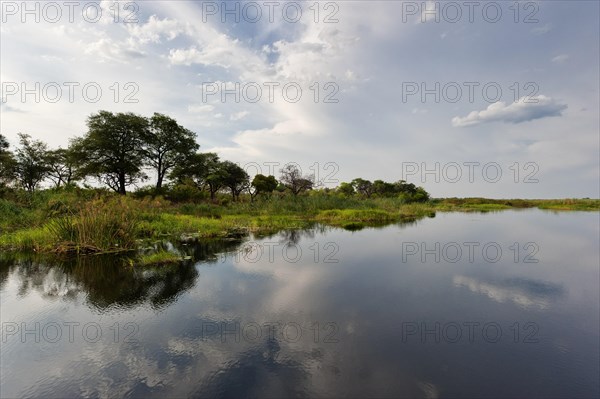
[85,221]
[159,258]
[101,226]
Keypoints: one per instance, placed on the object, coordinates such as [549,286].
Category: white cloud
[541,30]
[196,109]
[239,115]
[524,110]
[155,29]
[559,59]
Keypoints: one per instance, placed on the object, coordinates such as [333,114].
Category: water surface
[477,305]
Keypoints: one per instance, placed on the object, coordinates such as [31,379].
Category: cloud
[239,115]
[8,108]
[524,110]
[154,29]
[522,292]
[559,59]
[541,30]
[196,109]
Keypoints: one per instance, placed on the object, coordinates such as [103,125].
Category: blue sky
[375,58]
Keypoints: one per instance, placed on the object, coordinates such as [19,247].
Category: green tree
[291,177]
[235,178]
[363,187]
[61,166]
[112,149]
[204,170]
[31,167]
[346,189]
[262,184]
[384,189]
[167,144]
[7,163]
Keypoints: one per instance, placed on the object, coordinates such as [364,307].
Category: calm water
[499,304]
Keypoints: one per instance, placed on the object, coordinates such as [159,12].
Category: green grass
[100,226]
[159,258]
[95,221]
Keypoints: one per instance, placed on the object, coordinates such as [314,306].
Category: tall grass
[101,226]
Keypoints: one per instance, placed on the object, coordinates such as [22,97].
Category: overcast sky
[386,89]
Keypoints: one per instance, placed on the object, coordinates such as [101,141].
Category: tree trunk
[122,190]
[161,174]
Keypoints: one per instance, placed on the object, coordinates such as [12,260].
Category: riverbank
[86,223]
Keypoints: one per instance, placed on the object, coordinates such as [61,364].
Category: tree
[167,144]
[346,189]
[7,163]
[61,166]
[235,178]
[384,189]
[203,170]
[112,150]
[363,187]
[262,185]
[292,178]
[31,167]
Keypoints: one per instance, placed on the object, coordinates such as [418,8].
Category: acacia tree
[30,167]
[167,144]
[235,178]
[346,189]
[7,163]
[61,166]
[262,184]
[364,187]
[204,170]
[112,149]
[291,177]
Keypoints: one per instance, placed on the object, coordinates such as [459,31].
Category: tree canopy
[119,149]
[112,150]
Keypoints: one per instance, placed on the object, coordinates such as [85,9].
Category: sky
[491,99]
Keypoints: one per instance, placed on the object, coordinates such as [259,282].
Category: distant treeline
[119,148]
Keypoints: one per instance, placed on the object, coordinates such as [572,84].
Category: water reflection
[234,321]
[527,293]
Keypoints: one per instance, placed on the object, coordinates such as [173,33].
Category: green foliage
[7,165]
[263,185]
[166,145]
[202,170]
[346,189]
[100,226]
[112,149]
[62,167]
[363,187]
[31,167]
[159,258]
[235,178]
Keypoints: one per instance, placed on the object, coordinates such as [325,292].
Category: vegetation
[44,208]
[85,221]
